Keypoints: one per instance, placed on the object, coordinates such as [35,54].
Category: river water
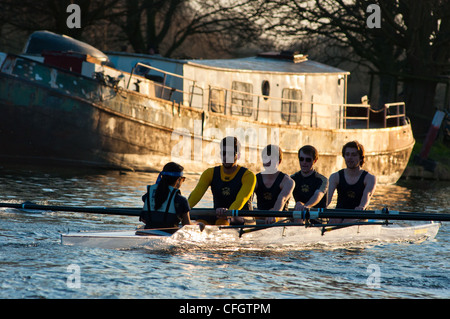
[34,264]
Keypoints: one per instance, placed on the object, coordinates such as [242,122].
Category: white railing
[245,104]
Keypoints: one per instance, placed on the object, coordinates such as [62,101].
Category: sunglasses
[305,159]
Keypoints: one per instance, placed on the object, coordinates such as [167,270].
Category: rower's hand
[299,206]
[221,213]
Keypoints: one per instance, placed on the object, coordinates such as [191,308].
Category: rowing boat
[288,236]
[291,235]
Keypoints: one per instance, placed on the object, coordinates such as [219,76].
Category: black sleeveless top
[349,196]
[225,192]
[305,187]
[267,197]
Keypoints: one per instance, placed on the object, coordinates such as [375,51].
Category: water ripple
[34,264]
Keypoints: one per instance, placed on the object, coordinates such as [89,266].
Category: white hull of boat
[291,237]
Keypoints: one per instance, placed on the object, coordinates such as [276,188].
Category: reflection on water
[79,187]
[33,264]
[422,196]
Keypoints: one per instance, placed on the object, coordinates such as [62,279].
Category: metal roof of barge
[248,64]
[263,64]
[271,62]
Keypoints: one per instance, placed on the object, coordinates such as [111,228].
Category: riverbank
[439,153]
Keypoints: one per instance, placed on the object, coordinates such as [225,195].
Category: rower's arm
[369,189]
[287,186]
[246,191]
[202,186]
[315,199]
[318,194]
[333,183]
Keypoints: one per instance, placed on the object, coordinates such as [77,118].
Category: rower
[273,188]
[354,185]
[231,185]
[310,186]
[164,206]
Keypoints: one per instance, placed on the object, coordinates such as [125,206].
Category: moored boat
[287,237]
[64,101]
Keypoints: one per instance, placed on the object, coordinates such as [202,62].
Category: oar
[124,211]
[77,209]
[341,213]
[383,214]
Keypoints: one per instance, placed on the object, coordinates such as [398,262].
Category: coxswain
[164,206]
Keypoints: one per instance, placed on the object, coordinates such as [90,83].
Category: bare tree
[412,42]
[164,25]
[30,15]
[146,25]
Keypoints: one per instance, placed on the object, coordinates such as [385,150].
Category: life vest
[164,216]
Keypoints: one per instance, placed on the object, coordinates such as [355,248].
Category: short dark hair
[309,150]
[359,147]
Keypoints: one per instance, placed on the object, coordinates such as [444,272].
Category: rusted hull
[127,130]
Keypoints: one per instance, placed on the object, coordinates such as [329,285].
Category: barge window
[265,89]
[217,100]
[291,107]
[241,98]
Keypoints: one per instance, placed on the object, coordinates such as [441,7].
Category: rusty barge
[63,101]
